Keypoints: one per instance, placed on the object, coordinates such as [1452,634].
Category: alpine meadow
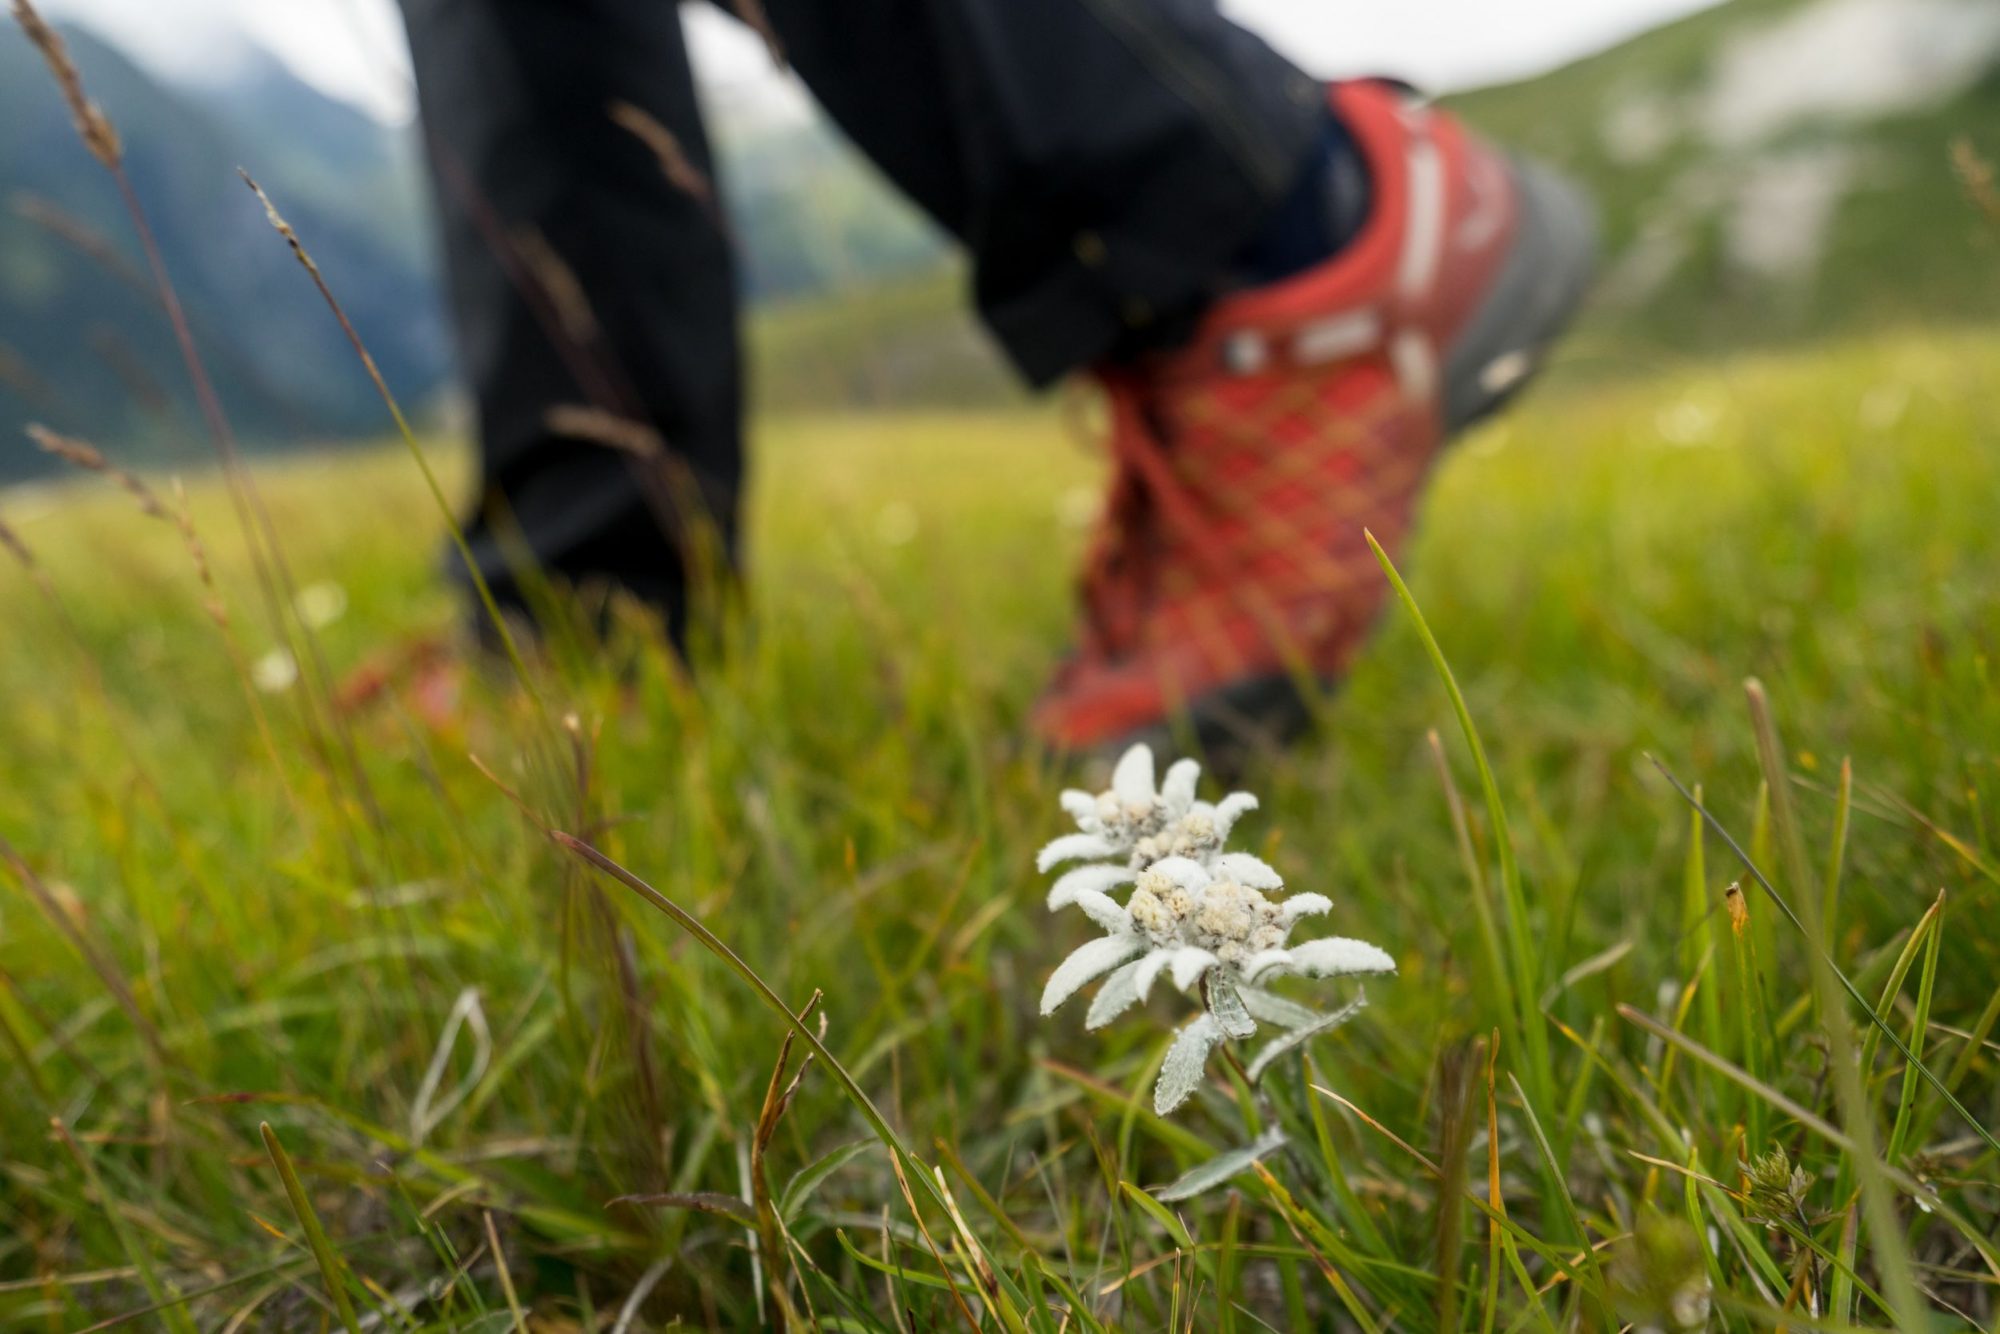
[1619,951]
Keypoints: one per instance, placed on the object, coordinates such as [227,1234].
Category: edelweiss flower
[1141,824]
[1202,916]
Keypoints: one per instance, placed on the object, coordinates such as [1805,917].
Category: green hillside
[1769,170]
[1775,169]
[83,344]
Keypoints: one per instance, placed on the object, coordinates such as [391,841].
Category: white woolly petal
[1097,877]
[1276,1009]
[1091,960]
[1181,1072]
[1147,969]
[1303,905]
[1177,790]
[1250,872]
[1221,1168]
[1233,809]
[1298,1035]
[1119,993]
[1186,872]
[1074,847]
[1267,964]
[1190,963]
[1104,910]
[1132,780]
[1335,956]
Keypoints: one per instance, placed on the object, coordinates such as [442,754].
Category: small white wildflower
[321,604]
[1135,821]
[275,672]
[1181,921]
[1077,508]
[1202,915]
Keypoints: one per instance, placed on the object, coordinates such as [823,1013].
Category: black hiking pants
[1100,160]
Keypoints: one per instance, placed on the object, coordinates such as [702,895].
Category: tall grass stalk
[1979,1129]
[714,945]
[1521,980]
[260,535]
[136,1251]
[501,628]
[331,1271]
[1856,1111]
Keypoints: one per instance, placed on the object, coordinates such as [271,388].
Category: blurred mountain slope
[1775,169]
[1768,170]
[82,342]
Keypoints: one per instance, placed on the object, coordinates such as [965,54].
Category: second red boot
[1230,572]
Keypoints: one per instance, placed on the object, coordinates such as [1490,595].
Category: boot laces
[1149,510]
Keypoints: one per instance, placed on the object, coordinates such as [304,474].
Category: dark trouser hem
[1101,160]
[580,276]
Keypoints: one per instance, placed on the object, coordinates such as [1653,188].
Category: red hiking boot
[1230,572]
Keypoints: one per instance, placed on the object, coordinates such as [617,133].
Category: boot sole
[1534,297]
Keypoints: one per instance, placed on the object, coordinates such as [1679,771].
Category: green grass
[215,932]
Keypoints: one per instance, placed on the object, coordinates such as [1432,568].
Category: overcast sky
[353,48]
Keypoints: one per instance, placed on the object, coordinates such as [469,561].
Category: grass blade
[1523,1002]
[506,1276]
[1571,1216]
[1843,810]
[444,505]
[1927,1196]
[713,943]
[1919,1026]
[135,1251]
[800,1190]
[330,1269]
[1753,1019]
[1899,973]
[1854,994]
[1857,1113]
[1475,873]
[1698,942]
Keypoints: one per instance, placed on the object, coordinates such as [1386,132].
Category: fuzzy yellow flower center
[1193,835]
[1229,920]
[1235,922]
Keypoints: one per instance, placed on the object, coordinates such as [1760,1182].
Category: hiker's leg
[528,165]
[1103,160]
